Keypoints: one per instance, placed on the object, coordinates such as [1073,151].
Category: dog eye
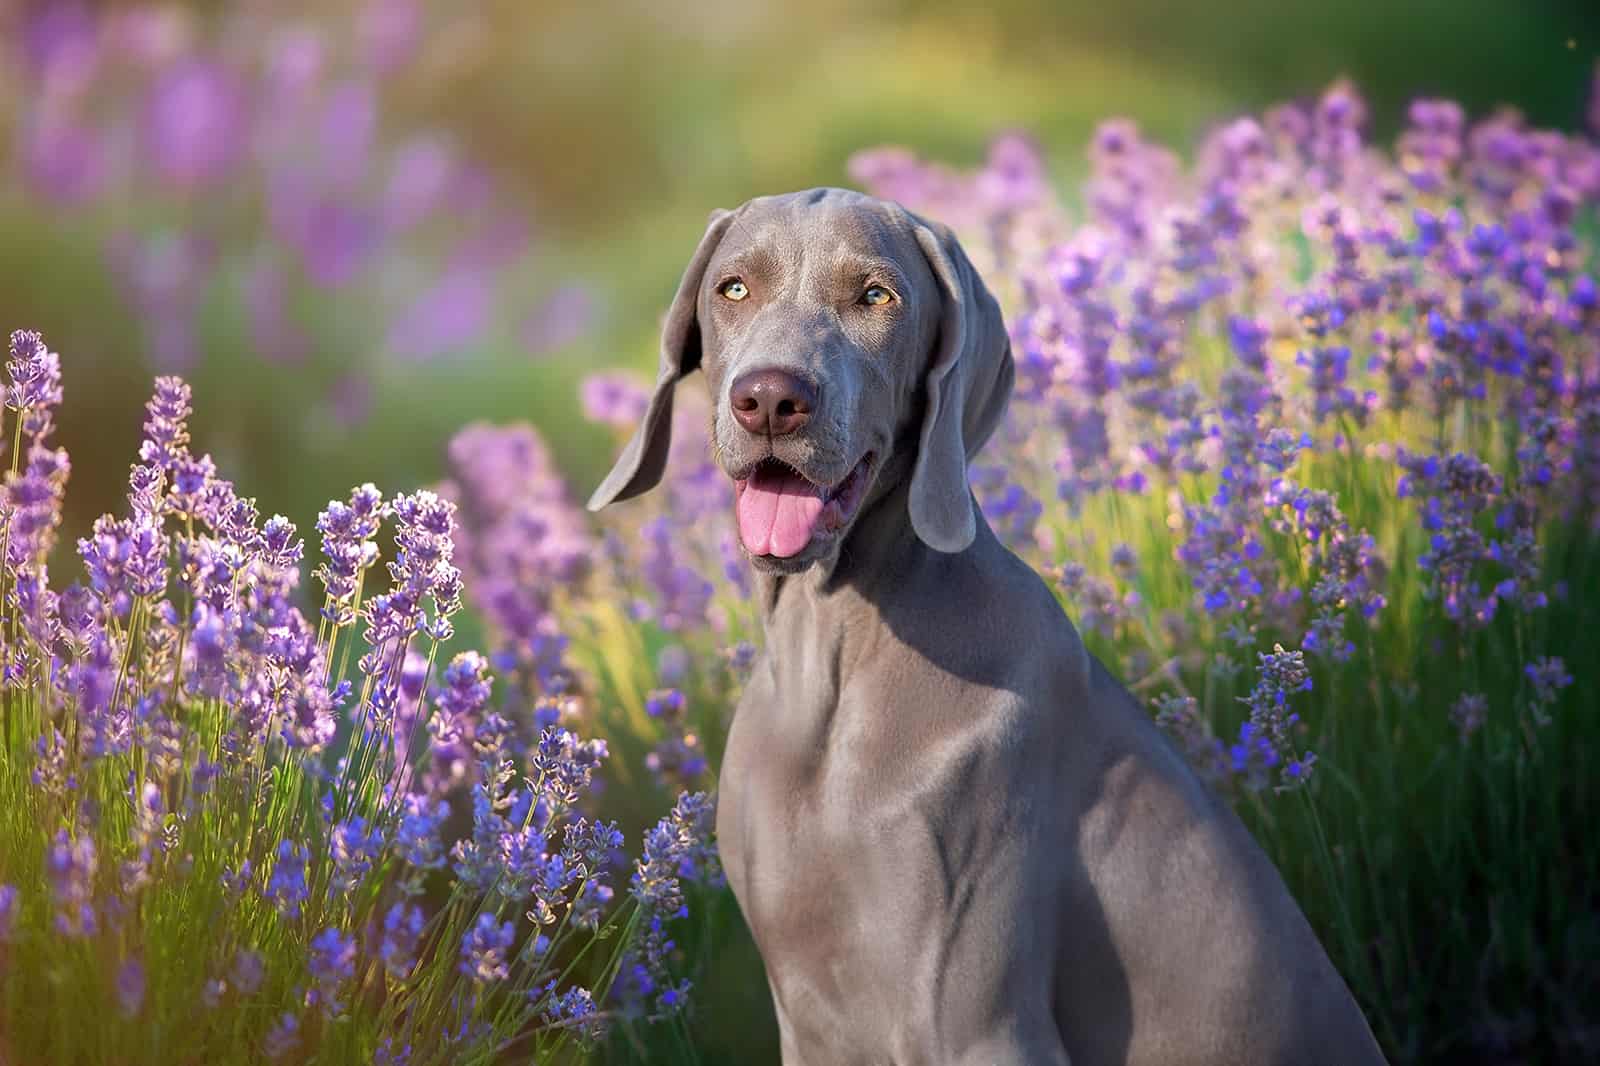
[734,289]
[876,296]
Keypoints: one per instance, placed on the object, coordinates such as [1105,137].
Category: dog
[955,837]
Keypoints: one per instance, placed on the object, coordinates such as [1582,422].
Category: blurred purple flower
[419,181]
[402,929]
[614,398]
[347,134]
[332,962]
[130,987]
[447,317]
[390,32]
[71,864]
[196,118]
[564,316]
[63,160]
[286,888]
[8,913]
[277,337]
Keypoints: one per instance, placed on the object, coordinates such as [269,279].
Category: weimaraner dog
[955,837]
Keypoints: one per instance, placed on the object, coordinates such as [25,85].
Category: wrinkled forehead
[831,231]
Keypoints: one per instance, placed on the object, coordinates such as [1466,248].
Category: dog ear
[639,467]
[967,384]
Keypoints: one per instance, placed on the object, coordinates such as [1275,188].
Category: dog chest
[860,876]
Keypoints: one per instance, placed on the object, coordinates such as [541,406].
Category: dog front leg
[788,1046]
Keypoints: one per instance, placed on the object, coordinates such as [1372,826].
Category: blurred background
[357,226]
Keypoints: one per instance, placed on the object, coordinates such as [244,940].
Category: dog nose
[773,401]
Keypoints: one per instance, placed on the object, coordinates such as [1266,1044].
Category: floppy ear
[967,384]
[641,463]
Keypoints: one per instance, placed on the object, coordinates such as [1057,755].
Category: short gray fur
[955,836]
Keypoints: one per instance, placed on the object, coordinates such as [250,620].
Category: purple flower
[614,398]
[347,532]
[334,236]
[677,849]
[679,846]
[63,159]
[8,913]
[446,318]
[166,427]
[332,962]
[402,929]
[1469,713]
[420,174]
[278,337]
[1181,717]
[248,971]
[348,129]
[566,764]
[35,388]
[283,1037]
[355,848]
[308,721]
[559,320]
[1272,722]
[1547,676]
[1454,491]
[485,950]
[130,987]
[390,32]
[287,889]
[417,838]
[575,1010]
[71,864]
[34,499]
[193,121]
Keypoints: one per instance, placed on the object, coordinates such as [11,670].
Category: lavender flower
[1281,674]
[35,387]
[1180,716]
[417,838]
[485,950]
[283,1038]
[356,846]
[1547,676]
[248,972]
[402,929]
[286,888]
[166,427]
[130,987]
[8,913]
[71,865]
[1469,713]
[332,963]
[575,1010]
[614,399]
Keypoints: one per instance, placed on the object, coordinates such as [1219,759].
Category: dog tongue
[778,509]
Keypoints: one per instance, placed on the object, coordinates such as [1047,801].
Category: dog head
[837,332]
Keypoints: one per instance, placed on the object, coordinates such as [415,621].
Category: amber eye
[734,289]
[876,296]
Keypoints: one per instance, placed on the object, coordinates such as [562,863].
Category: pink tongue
[777,512]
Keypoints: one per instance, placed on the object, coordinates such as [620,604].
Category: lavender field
[1306,435]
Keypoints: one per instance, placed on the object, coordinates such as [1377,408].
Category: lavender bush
[235,829]
[256,163]
[1307,435]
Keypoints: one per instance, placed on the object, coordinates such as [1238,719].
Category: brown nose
[773,402]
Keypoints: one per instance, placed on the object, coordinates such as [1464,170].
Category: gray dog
[955,837]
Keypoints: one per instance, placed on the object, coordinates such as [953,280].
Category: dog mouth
[781,511]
